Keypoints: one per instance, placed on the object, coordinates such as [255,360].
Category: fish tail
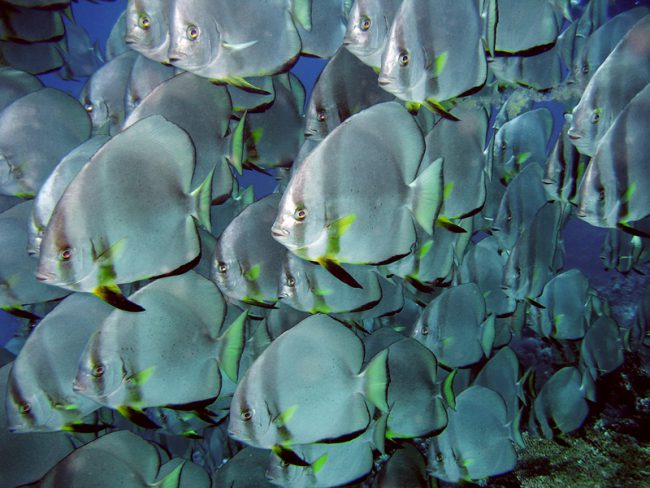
[427,195]
[376,378]
[203,195]
[232,347]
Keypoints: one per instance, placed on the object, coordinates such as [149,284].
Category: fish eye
[364,23]
[25,408]
[144,21]
[247,414]
[601,195]
[98,371]
[300,214]
[291,281]
[595,117]
[321,115]
[509,217]
[403,58]
[222,268]
[504,146]
[65,254]
[88,107]
[585,69]
[439,457]
[425,330]
[192,32]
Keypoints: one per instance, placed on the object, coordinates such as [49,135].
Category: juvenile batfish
[613,191]
[227,41]
[327,400]
[431,56]
[344,87]
[607,93]
[368,28]
[170,354]
[128,215]
[247,261]
[147,28]
[41,397]
[36,131]
[356,196]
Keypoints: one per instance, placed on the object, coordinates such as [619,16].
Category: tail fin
[376,377]
[427,195]
[203,195]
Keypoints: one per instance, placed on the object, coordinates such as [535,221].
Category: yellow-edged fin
[112,295]
[256,135]
[191,434]
[377,377]
[203,195]
[237,146]
[413,107]
[143,376]
[446,223]
[289,456]
[437,108]
[341,225]
[376,69]
[424,249]
[319,463]
[338,272]
[625,227]
[245,85]
[79,427]
[448,390]
[253,273]
[20,313]
[137,416]
[170,474]
[284,417]
[232,346]
[439,63]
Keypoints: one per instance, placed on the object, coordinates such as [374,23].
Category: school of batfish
[368,322]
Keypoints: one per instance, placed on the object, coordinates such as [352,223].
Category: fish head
[97,109]
[593,201]
[367,29]
[28,409]
[442,462]
[586,120]
[250,417]
[195,38]
[100,373]
[294,283]
[301,223]
[147,27]
[227,272]
[63,259]
[404,64]
[321,118]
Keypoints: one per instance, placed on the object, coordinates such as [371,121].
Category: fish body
[354,185]
[608,93]
[41,397]
[327,400]
[432,56]
[95,238]
[247,261]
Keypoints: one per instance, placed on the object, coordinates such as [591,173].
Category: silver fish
[607,93]
[525,25]
[368,29]
[325,214]
[247,261]
[147,28]
[273,405]
[15,84]
[433,57]
[40,384]
[95,240]
[58,122]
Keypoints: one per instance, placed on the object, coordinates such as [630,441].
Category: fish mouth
[581,212]
[279,232]
[573,135]
[384,81]
[45,277]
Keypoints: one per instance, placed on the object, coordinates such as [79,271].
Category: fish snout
[573,134]
[78,387]
[384,80]
[278,231]
[44,276]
